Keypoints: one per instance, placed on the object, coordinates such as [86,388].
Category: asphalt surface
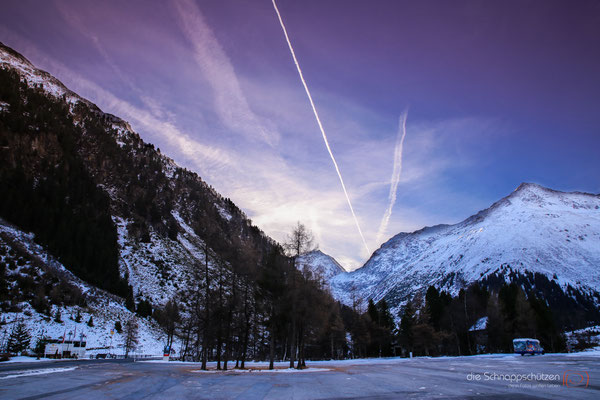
[422,378]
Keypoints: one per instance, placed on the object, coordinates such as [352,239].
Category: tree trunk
[187,340]
[293,333]
[300,346]
[220,323]
[332,357]
[293,343]
[246,327]
[255,330]
[229,322]
[272,341]
[206,311]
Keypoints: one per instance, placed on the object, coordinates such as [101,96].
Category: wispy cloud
[71,17]
[275,185]
[274,193]
[395,179]
[74,20]
[230,102]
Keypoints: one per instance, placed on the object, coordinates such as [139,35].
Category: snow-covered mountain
[118,215]
[534,229]
[320,264]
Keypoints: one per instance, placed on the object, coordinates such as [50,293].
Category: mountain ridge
[534,229]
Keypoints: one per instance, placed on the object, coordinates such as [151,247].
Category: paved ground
[445,378]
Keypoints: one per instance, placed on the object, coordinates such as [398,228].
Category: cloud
[274,193]
[396,173]
[293,180]
[75,21]
[230,102]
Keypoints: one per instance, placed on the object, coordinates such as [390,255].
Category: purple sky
[497,92]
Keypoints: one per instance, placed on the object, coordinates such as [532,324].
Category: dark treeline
[248,307]
[571,308]
[47,189]
[477,320]
[483,318]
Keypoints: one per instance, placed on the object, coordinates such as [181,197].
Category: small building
[59,348]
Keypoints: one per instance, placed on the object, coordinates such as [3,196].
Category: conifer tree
[407,323]
[19,339]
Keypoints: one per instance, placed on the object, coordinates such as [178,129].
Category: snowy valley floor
[541,377]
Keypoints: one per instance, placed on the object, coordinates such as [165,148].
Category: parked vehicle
[524,346]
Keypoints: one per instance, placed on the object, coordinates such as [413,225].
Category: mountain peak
[533,188]
[320,263]
[529,194]
[529,186]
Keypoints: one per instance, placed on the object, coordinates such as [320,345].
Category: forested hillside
[125,218]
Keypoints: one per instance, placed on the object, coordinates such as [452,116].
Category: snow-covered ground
[26,359]
[44,371]
[322,365]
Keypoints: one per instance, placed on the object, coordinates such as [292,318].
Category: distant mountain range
[533,230]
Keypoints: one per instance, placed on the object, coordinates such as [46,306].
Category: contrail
[337,169]
[397,171]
